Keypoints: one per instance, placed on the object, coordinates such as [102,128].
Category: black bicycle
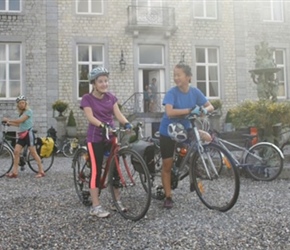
[211,169]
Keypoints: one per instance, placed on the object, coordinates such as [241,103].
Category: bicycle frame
[114,155]
[23,155]
[240,162]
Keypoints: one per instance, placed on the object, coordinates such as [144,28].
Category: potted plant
[216,114]
[59,106]
[71,127]
[216,103]
[228,126]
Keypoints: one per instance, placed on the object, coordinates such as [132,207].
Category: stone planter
[71,131]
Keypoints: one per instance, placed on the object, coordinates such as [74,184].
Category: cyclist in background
[180,100]
[100,106]
[25,136]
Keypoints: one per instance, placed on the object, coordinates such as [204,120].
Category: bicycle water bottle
[106,156]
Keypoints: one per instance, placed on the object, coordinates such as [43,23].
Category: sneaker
[168,203]
[99,211]
[123,209]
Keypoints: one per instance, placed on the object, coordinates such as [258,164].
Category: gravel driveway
[46,214]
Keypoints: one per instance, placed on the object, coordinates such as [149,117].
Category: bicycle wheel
[264,161]
[68,150]
[286,151]
[6,160]
[216,190]
[125,183]
[82,173]
[46,162]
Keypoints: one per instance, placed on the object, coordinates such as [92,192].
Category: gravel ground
[46,214]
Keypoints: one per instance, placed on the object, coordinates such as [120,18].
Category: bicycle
[67,146]
[123,169]
[263,161]
[70,146]
[7,155]
[211,170]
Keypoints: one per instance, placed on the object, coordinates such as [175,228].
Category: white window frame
[272,9]
[7,10]
[92,64]
[207,64]
[283,66]
[90,12]
[205,16]
[152,64]
[7,63]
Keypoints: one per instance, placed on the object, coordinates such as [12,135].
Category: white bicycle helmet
[96,72]
[177,132]
[20,98]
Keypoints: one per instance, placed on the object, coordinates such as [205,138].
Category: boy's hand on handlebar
[195,111]
[198,111]
[204,111]
[128,126]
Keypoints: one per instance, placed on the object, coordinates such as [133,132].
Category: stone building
[47,48]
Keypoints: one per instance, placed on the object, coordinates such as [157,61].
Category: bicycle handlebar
[107,130]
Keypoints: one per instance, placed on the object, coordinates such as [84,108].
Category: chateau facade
[47,47]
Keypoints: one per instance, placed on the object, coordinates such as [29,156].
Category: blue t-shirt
[28,123]
[102,110]
[180,100]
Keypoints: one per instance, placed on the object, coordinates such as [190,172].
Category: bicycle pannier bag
[46,147]
[147,151]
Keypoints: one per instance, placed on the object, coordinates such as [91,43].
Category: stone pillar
[60,127]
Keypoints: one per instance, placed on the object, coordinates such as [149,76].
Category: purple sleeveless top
[102,110]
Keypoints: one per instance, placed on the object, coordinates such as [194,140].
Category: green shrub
[262,114]
[71,122]
[217,104]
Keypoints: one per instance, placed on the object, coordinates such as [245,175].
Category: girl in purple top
[100,107]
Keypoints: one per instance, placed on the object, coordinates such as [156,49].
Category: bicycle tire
[81,175]
[47,162]
[6,159]
[286,151]
[270,164]
[218,191]
[134,196]
[67,150]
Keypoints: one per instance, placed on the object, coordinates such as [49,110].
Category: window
[151,54]
[10,5]
[207,71]
[273,10]
[205,9]
[279,58]
[10,70]
[88,57]
[89,7]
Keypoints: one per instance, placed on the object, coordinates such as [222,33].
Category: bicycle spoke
[217,189]
[6,160]
[81,172]
[264,162]
[126,185]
